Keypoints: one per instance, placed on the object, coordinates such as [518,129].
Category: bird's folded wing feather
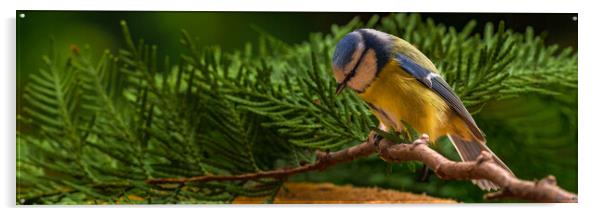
[434,82]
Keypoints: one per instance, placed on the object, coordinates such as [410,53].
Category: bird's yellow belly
[396,97]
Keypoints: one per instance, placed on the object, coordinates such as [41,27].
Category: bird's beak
[341,87]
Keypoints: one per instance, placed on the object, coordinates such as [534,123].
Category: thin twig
[323,160]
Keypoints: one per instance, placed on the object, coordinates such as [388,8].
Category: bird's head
[358,57]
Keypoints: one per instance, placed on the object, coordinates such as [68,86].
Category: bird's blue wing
[434,82]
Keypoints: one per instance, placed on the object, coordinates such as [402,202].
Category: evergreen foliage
[104,126]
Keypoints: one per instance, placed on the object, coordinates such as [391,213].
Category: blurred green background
[539,137]
[229,30]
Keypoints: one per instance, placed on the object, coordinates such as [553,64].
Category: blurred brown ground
[327,193]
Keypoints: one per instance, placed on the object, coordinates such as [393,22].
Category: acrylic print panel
[281,107]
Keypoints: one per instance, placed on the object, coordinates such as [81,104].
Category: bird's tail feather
[469,150]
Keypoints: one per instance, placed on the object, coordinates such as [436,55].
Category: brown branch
[323,160]
[484,167]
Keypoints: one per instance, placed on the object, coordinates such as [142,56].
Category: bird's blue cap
[345,49]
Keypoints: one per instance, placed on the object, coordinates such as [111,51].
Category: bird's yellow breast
[396,96]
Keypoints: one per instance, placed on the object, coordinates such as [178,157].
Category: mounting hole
[22,15]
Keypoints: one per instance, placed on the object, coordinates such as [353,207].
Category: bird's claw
[375,138]
[424,139]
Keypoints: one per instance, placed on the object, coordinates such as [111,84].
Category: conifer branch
[484,167]
[323,160]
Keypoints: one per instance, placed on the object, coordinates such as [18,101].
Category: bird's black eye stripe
[353,71]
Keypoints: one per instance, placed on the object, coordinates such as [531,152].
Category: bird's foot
[375,138]
[424,139]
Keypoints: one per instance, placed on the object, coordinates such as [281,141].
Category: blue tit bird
[400,84]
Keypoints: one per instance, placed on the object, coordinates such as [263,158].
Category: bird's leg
[425,171]
[375,138]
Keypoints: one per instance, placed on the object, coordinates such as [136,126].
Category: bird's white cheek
[339,75]
[365,72]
